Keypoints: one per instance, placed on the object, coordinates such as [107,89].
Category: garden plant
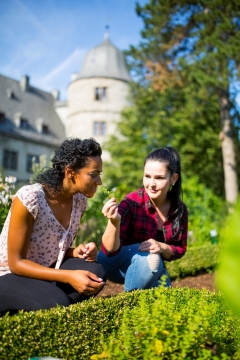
[143,324]
[7,187]
[117,326]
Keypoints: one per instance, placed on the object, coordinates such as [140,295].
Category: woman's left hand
[152,246]
[86,251]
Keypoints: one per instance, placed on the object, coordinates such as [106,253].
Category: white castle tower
[97,94]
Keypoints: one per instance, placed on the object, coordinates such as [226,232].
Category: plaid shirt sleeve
[179,245]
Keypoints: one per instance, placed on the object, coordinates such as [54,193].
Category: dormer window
[10,94]
[41,126]
[101,93]
[24,124]
[45,129]
[2,118]
[21,122]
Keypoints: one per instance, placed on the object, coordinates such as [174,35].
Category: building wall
[62,111]
[84,110]
[23,148]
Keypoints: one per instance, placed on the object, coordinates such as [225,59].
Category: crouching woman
[149,226]
[39,267]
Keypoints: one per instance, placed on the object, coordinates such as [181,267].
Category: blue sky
[48,39]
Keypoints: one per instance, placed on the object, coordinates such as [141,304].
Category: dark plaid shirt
[139,223]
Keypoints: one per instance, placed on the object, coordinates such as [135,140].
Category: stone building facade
[29,127]
[34,122]
[96,95]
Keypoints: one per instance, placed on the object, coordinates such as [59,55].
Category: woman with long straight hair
[149,228]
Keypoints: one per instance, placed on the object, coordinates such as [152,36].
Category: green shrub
[206,212]
[228,273]
[68,333]
[174,324]
[7,187]
[182,321]
[197,259]
[3,215]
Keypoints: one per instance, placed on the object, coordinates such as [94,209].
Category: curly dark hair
[171,158]
[74,153]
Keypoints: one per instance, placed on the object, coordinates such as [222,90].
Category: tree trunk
[228,150]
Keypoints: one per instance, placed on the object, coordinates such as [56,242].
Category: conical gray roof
[105,60]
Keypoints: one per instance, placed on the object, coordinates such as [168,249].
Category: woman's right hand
[85,282]
[111,236]
[110,210]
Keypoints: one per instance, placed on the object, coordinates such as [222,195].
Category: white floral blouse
[49,240]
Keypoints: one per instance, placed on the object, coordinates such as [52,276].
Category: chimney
[74,76]
[56,94]
[24,83]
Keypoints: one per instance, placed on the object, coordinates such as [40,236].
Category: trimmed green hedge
[196,259]
[75,332]
[193,319]
[69,333]
[175,324]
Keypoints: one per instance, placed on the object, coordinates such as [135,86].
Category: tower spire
[106,34]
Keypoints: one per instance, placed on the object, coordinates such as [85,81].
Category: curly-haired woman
[39,268]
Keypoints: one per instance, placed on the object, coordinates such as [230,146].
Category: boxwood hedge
[172,324]
[81,330]
[181,321]
[196,259]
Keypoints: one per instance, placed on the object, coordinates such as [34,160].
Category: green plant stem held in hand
[108,193]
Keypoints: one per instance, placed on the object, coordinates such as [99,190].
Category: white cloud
[59,77]
[77,55]
[47,39]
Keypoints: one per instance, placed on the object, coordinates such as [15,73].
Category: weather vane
[107,27]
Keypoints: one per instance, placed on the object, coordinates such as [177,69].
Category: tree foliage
[183,119]
[202,35]
[190,52]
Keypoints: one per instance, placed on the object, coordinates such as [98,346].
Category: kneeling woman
[151,220]
[39,268]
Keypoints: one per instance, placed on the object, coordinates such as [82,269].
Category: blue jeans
[130,267]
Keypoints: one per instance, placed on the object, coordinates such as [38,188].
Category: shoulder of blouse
[80,197]
[29,190]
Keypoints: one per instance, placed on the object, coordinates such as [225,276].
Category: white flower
[6,190]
